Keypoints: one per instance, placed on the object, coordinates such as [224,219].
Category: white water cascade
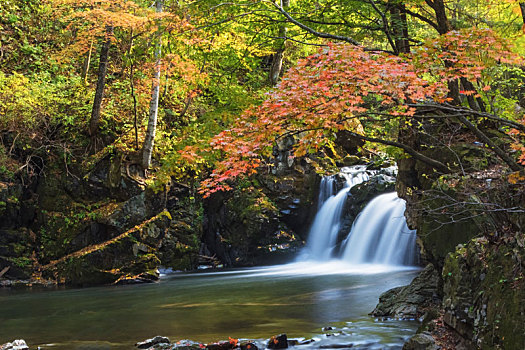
[379,234]
[326,225]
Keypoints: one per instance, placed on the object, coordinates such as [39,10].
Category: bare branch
[502,154]
[313,31]
[468,111]
[417,155]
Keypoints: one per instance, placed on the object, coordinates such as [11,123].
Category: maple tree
[343,86]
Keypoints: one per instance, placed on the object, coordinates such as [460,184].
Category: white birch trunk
[277,62]
[149,140]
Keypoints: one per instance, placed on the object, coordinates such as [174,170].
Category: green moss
[21,262]
[484,283]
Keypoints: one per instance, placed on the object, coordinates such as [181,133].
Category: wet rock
[350,160]
[223,345]
[337,346]
[148,343]
[422,341]
[349,142]
[278,342]
[408,301]
[240,226]
[18,344]
[248,346]
[186,345]
[377,184]
[305,342]
[327,329]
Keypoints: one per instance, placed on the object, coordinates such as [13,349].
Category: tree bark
[443,27]
[443,24]
[476,103]
[149,140]
[87,62]
[399,26]
[277,61]
[522,6]
[101,82]
[132,90]
[408,133]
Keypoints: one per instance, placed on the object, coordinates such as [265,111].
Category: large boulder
[421,341]
[410,301]
[262,221]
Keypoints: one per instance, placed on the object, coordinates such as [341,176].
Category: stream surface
[297,299]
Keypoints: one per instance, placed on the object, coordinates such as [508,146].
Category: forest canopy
[202,91]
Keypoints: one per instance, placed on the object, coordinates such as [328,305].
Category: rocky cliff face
[94,227]
[470,227]
[484,293]
[262,221]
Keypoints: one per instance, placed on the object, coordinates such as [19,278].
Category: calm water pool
[297,299]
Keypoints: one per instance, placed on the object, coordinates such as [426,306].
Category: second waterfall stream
[379,234]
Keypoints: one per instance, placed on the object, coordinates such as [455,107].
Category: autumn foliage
[342,85]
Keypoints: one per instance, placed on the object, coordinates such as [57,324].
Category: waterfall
[324,231]
[379,234]
[325,228]
[326,190]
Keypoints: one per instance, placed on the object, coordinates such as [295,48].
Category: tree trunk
[408,129]
[441,15]
[277,61]
[476,103]
[399,26]
[132,90]
[443,27]
[87,62]
[149,140]
[101,82]
[522,6]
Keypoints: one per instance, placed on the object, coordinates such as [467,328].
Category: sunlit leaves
[464,54]
[322,93]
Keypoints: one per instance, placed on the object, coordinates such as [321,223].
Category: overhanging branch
[471,112]
[313,31]
[417,155]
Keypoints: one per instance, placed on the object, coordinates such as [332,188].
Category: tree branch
[313,31]
[466,111]
[421,17]
[502,154]
[417,155]
[386,29]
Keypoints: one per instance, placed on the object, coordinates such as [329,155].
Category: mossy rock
[484,289]
[107,265]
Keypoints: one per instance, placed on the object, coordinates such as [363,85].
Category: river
[297,299]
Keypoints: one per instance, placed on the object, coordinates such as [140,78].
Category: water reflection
[248,303]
